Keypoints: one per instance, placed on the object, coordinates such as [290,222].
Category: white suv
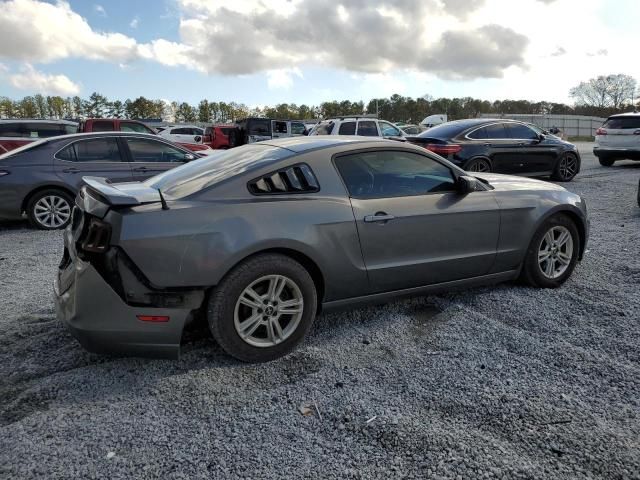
[357,125]
[618,139]
[183,133]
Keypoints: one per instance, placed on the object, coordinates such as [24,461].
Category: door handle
[378,217]
[71,170]
[141,169]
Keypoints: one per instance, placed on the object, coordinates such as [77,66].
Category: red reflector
[443,149]
[153,318]
[601,131]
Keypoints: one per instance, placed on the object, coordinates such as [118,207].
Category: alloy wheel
[568,166]
[480,166]
[52,211]
[268,311]
[555,252]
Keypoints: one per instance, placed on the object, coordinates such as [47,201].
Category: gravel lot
[507,382]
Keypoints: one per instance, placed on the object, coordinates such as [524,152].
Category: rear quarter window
[622,123]
[323,128]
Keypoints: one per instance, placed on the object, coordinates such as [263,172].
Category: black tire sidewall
[46,193]
[478,160]
[556,174]
[222,302]
[606,162]
[531,271]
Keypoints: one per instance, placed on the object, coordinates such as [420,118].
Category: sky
[264,52]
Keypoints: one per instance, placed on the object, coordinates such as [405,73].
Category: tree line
[601,96]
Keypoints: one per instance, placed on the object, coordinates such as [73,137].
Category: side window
[197,131]
[496,132]
[279,127]
[10,130]
[367,128]
[68,154]
[297,128]
[323,128]
[133,127]
[102,126]
[147,150]
[97,150]
[389,130]
[43,130]
[393,174]
[347,128]
[520,132]
[479,134]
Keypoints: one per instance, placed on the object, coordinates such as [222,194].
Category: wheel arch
[477,157]
[303,259]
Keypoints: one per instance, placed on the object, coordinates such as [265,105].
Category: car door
[415,228]
[503,151]
[92,157]
[150,157]
[535,154]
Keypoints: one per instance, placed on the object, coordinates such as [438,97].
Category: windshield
[203,173]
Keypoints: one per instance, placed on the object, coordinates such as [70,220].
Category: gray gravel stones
[505,382]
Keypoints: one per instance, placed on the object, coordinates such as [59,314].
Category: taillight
[153,318]
[443,149]
[601,131]
[98,236]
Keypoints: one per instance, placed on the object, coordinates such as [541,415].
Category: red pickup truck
[118,125]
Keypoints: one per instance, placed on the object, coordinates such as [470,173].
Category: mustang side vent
[295,179]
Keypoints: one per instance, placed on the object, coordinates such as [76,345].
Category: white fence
[570,125]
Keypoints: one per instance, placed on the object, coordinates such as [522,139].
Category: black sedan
[502,146]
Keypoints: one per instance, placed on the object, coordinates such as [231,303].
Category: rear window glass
[201,174]
[347,128]
[259,127]
[622,123]
[446,130]
[24,148]
[102,126]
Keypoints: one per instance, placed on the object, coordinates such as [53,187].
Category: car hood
[512,182]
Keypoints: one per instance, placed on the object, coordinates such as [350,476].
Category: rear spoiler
[98,195]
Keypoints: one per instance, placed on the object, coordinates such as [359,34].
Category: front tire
[50,209]
[567,168]
[552,254]
[263,308]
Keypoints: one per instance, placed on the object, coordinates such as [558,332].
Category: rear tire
[548,264]
[606,162]
[247,311]
[566,168]
[50,209]
[479,165]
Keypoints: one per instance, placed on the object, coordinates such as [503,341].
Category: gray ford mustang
[262,237]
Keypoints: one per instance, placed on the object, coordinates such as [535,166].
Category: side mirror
[189,156]
[467,184]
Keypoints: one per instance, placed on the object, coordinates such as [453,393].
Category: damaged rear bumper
[103,323]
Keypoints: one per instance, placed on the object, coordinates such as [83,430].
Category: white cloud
[134,23]
[100,10]
[38,82]
[282,79]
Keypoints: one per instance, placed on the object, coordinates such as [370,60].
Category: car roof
[303,144]
[37,120]
[627,115]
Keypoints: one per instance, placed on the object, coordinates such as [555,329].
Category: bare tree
[610,91]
